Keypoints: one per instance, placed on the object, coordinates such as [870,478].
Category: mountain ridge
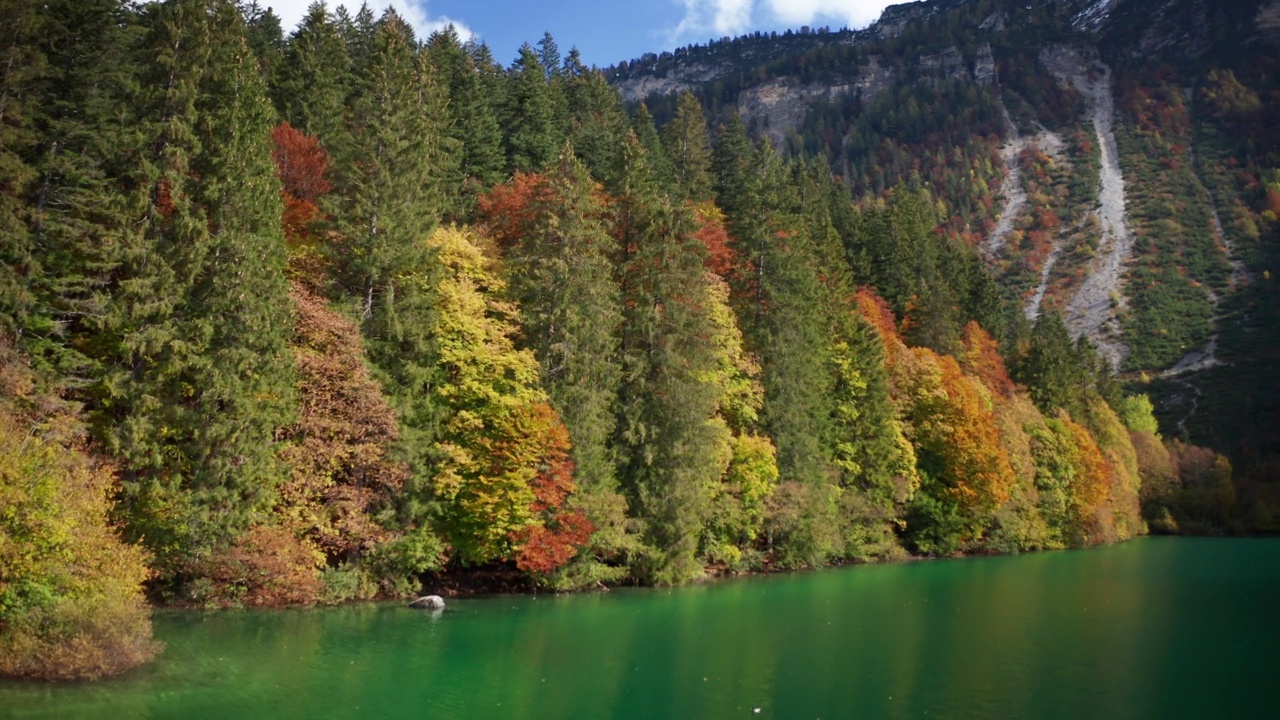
[1052,70]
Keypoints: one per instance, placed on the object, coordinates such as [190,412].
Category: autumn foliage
[980,357]
[341,472]
[302,164]
[71,603]
[508,211]
[721,258]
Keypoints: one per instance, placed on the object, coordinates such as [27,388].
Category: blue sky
[607,31]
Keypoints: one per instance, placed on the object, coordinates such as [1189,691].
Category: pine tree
[473,123]
[531,134]
[685,139]
[643,126]
[386,202]
[598,122]
[673,449]
[1050,370]
[310,86]
[780,302]
[264,34]
[562,275]
[197,373]
[23,66]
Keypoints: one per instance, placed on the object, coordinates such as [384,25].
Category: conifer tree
[1049,370]
[473,122]
[530,131]
[685,139]
[386,202]
[598,122]
[673,451]
[643,126]
[780,301]
[264,34]
[197,374]
[311,84]
[22,66]
[562,275]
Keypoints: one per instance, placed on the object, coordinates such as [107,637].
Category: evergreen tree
[780,300]
[386,201]
[1049,370]
[642,125]
[264,34]
[685,139]
[23,65]
[473,122]
[598,122]
[562,274]
[310,86]
[530,131]
[197,373]
[673,451]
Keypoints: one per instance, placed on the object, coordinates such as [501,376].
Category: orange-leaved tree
[503,472]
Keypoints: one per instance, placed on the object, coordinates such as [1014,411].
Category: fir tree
[647,133]
[310,86]
[685,139]
[197,374]
[531,133]
[473,122]
[598,122]
[386,202]
[674,451]
[562,275]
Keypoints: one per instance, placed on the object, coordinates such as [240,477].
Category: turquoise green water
[1156,628]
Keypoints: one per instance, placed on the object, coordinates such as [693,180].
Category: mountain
[1114,160]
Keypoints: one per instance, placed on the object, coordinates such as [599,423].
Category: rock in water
[428,602]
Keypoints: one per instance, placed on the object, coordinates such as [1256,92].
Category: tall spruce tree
[562,274]
[197,375]
[71,106]
[21,67]
[642,125]
[685,139]
[876,463]
[780,303]
[310,86]
[386,201]
[673,452]
[597,120]
[531,133]
[472,123]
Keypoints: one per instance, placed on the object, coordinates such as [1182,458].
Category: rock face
[682,78]
[781,105]
[428,602]
[946,65]
[984,67]
[1093,310]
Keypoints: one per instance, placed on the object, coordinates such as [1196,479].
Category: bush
[71,603]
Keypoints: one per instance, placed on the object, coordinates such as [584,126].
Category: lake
[1154,628]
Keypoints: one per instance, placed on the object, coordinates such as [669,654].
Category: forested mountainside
[1114,161]
[305,318]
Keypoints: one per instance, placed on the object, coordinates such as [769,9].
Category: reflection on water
[1157,628]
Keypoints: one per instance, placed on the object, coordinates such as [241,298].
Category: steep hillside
[1114,160]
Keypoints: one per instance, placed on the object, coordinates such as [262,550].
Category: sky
[607,31]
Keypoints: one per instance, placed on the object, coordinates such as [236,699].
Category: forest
[307,318]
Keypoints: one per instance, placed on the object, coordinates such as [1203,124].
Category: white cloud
[729,17]
[854,13]
[414,12]
[720,17]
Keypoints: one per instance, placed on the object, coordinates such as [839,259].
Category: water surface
[1156,628]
